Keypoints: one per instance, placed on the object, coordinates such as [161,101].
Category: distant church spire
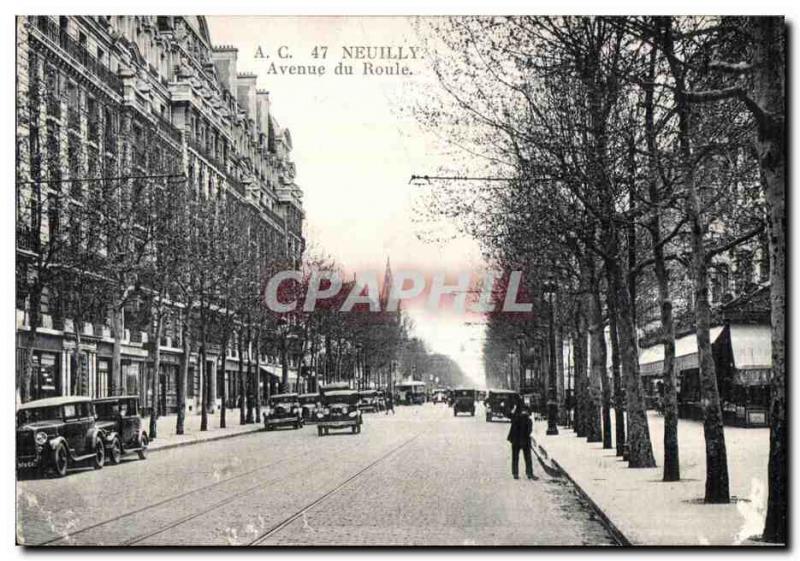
[387,284]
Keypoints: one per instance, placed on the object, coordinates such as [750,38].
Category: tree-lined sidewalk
[649,511]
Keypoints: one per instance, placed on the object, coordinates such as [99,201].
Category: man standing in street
[389,403]
[519,435]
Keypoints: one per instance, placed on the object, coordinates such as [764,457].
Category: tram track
[217,484]
[261,538]
[228,499]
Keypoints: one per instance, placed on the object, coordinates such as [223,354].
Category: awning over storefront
[651,359]
[751,346]
[276,371]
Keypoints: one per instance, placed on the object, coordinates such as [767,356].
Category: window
[69,411]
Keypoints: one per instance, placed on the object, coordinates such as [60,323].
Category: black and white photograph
[398,281]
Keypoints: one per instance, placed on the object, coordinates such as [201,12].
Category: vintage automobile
[368,401]
[439,396]
[500,404]
[283,410]
[309,403]
[464,401]
[56,433]
[118,419]
[339,411]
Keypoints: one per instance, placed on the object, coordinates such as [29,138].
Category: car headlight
[325,410]
[353,414]
[268,411]
[320,415]
[41,438]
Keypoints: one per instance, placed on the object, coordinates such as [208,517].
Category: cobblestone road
[421,477]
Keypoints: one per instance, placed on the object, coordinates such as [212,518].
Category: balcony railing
[169,129]
[78,52]
[201,149]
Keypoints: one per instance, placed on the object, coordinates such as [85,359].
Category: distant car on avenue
[55,433]
[500,404]
[339,411]
[309,403]
[439,396]
[283,410]
[464,401]
[368,401]
[118,419]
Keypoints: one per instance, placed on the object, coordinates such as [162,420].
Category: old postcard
[400,281]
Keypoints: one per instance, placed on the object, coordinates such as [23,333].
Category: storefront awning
[651,359]
[751,346]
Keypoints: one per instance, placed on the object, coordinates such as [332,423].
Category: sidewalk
[648,511]
[192,434]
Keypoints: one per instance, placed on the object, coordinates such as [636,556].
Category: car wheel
[488,419]
[60,460]
[354,430]
[143,444]
[99,458]
[319,431]
[327,431]
[115,452]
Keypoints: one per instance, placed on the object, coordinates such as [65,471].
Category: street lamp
[520,339]
[552,396]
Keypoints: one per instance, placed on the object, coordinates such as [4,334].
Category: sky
[356,145]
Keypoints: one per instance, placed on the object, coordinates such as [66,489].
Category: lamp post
[552,396]
[521,379]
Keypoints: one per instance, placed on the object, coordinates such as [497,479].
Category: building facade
[107,106]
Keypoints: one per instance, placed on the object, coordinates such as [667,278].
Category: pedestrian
[519,435]
[389,404]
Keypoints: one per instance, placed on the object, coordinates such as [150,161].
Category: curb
[204,440]
[610,526]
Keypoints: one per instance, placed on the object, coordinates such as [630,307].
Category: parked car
[339,411]
[500,404]
[57,432]
[464,401]
[283,410]
[118,419]
[368,401]
[309,403]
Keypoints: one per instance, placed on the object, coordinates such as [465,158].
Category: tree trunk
[672,470]
[118,327]
[770,91]
[240,339]
[717,489]
[224,394]
[76,356]
[619,397]
[258,375]
[153,431]
[580,372]
[640,449]
[204,375]
[599,360]
[597,356]
[183,376]
[284,364]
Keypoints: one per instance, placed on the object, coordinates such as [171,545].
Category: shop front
[742,360]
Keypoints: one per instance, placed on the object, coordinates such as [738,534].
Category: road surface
[421,477]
